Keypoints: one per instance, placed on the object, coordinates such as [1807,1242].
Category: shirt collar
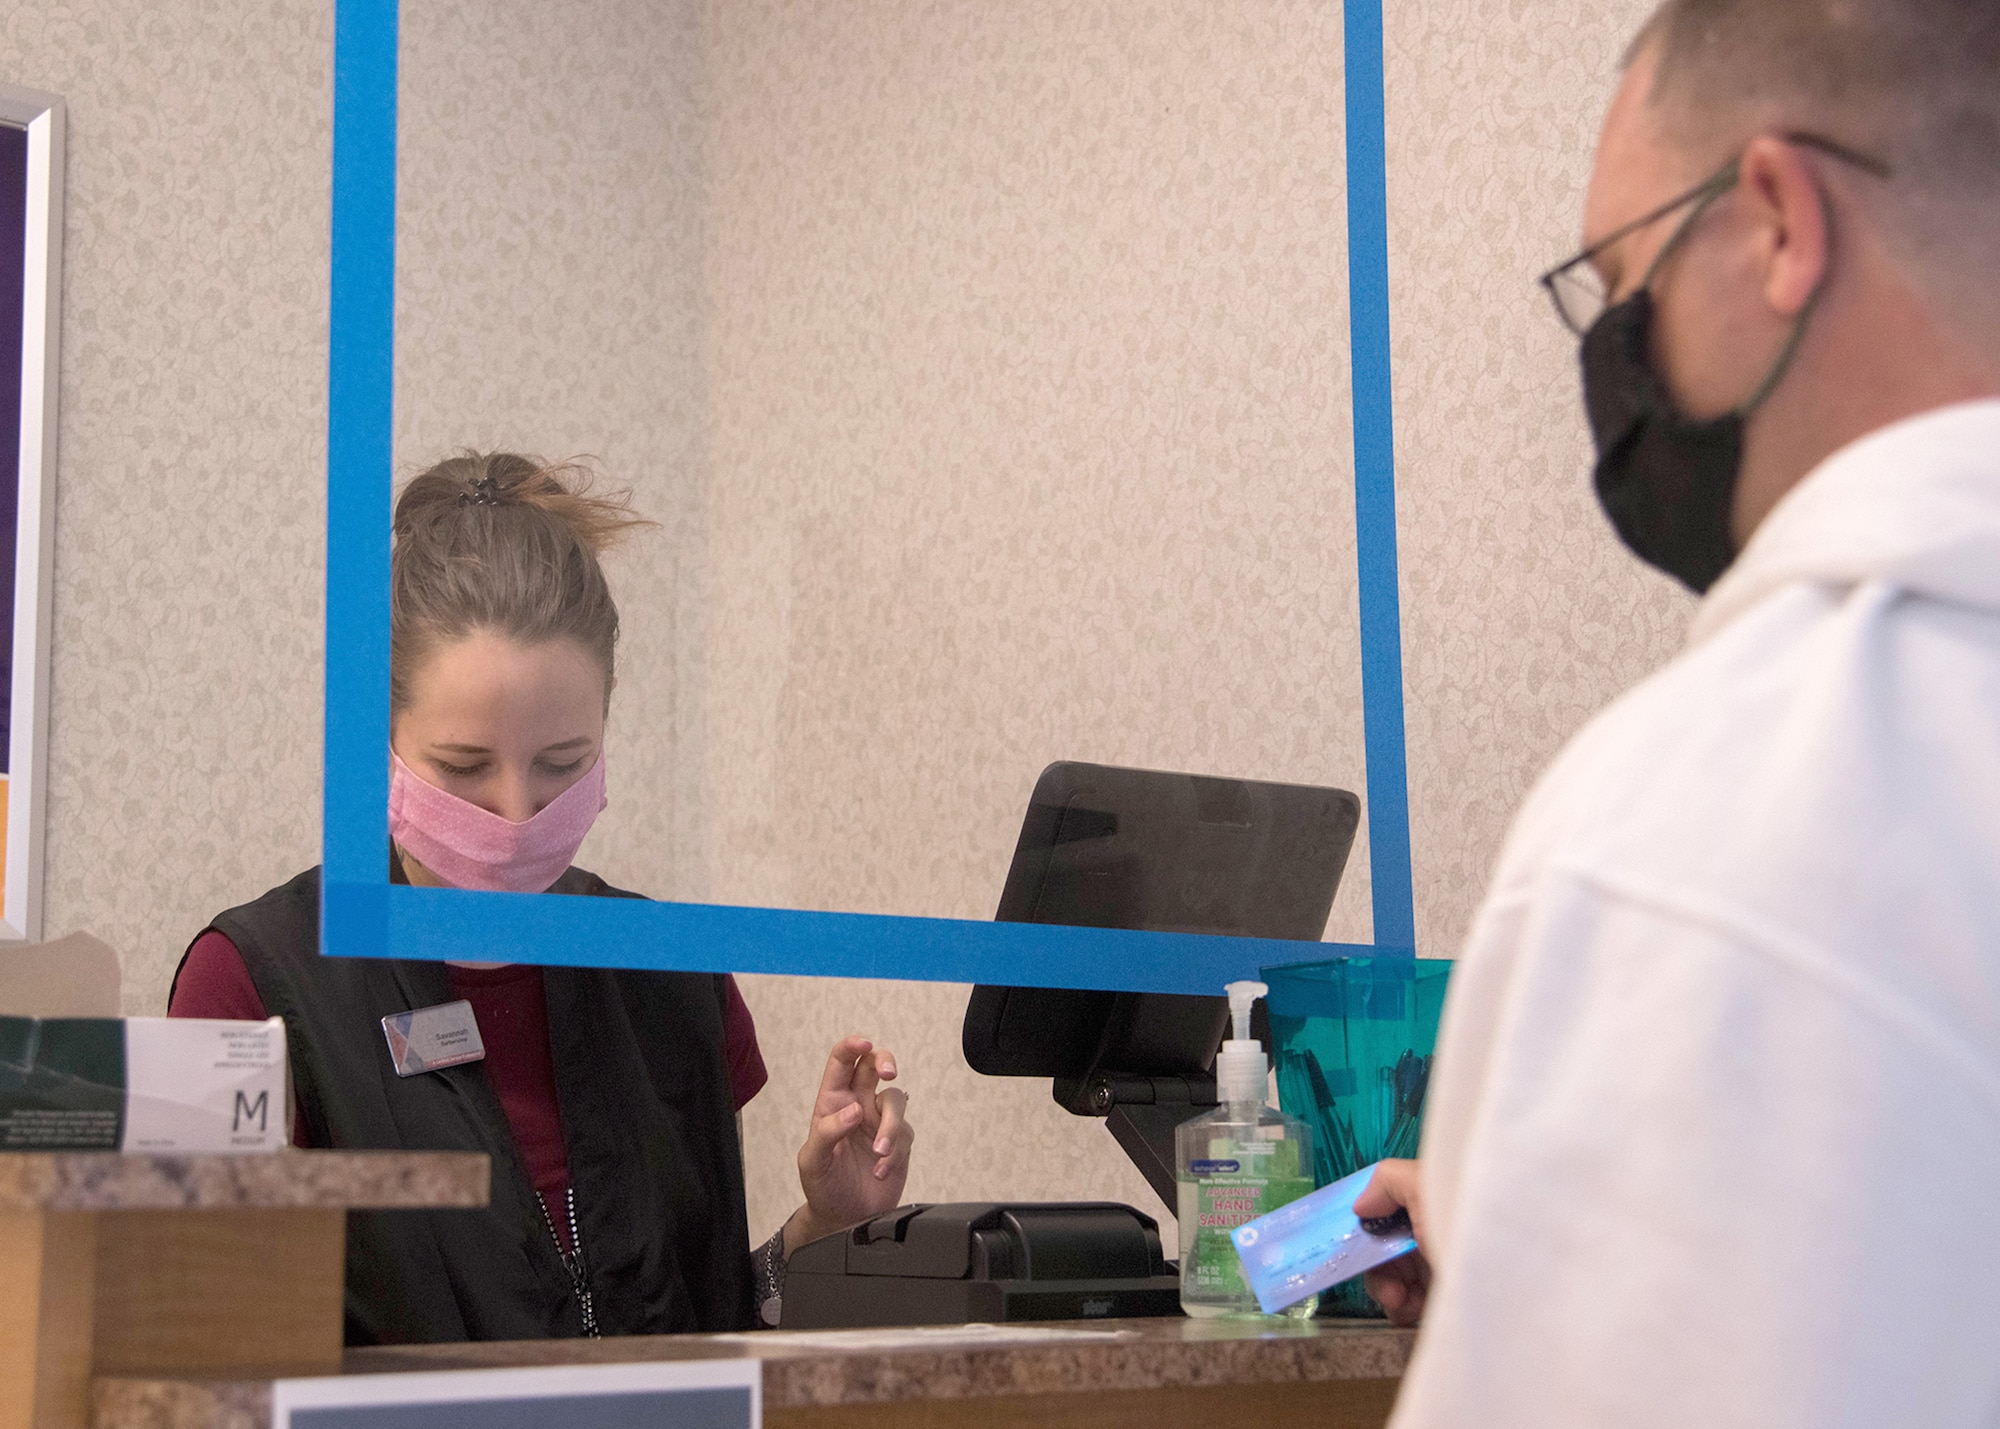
[1915,504]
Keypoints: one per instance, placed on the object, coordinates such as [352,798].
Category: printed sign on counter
[689,1394]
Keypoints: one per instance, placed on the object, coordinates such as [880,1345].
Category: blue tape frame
[363,915]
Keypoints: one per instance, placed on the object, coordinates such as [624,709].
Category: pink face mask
[470,848]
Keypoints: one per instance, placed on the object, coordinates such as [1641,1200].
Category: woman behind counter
[607,1099]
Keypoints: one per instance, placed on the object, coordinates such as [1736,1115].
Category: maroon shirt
[513,1018]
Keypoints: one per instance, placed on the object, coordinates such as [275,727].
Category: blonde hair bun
[505,542]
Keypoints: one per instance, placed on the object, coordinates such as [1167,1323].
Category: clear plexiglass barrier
[998,379]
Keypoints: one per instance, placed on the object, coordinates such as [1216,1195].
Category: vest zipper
[579,1275]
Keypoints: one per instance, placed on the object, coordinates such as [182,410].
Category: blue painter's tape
[354,917]
[362,916]
[703,937]
[360,397]
[1375,482]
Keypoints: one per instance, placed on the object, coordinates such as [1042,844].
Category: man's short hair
[1915,83]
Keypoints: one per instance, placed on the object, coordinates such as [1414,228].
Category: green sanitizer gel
[1242,1160]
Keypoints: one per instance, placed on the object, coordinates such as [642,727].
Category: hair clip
[485,492]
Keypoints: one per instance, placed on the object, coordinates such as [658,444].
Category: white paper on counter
[724,1394]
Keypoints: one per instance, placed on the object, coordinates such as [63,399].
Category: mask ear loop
[1791,348]
[1722,184]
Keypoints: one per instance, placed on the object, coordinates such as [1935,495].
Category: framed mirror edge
[42,116]
[363,915]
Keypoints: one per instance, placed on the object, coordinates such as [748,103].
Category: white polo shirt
[1714,1134]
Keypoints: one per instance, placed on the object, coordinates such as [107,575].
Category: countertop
[123,1181]
[812,1369]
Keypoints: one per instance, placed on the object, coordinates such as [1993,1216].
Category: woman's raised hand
[857,1151]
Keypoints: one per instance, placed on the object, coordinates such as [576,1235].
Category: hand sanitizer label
[1213,1202]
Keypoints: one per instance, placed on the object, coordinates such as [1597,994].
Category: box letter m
[245,1109]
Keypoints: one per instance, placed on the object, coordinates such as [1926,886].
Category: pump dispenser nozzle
[1241,995]
[1241,1066]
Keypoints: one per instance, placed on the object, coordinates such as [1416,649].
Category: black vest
[642,1083]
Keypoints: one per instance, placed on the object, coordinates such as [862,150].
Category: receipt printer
[983,1262]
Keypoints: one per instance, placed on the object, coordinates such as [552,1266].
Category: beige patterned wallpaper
[1028,427]
[190,507]
[1522,615]
[549,299]
[985,364]
[1028,439]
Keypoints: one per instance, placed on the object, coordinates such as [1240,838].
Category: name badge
[429,1039]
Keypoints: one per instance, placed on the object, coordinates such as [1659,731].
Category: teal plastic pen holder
[1353,1040]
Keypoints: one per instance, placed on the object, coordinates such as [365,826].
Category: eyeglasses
[1576,287]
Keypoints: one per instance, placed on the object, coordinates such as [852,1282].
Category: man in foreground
[1714,1137]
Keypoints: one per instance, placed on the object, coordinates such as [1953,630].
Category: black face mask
[1667,482]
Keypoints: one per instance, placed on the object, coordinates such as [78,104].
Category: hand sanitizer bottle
[1235,1163]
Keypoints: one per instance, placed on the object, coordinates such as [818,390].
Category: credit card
[1316,1241]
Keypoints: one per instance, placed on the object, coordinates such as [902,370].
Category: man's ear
[1794,237]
